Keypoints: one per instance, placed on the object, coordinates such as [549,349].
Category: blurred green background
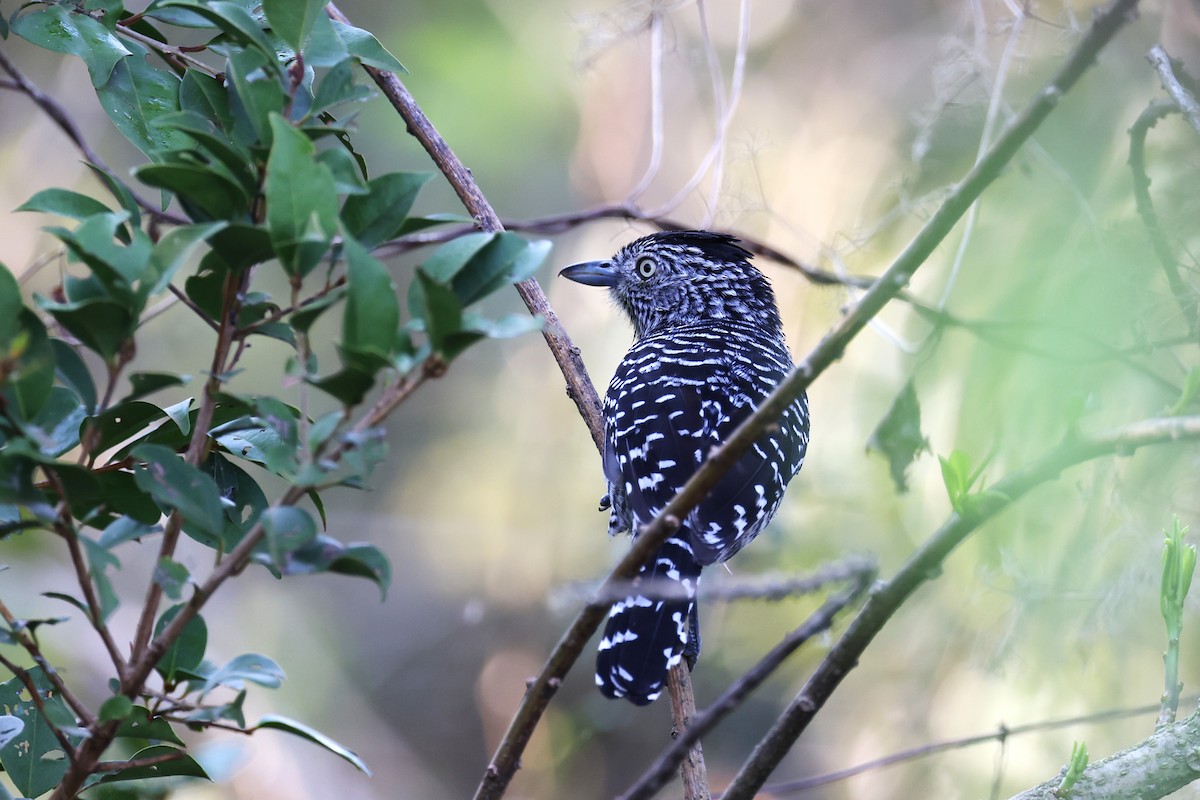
[851,120]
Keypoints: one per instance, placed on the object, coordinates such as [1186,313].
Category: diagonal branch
[505,762]
[924,564]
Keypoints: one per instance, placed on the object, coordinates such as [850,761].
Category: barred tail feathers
[646,633]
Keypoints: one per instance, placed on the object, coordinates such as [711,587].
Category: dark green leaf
[103,326]
[898,436]
[280,723]
[144,383]
[437,306]
[256,95]
[372,314]
[32,377]
[55,28]
[179,486]
[181,765]
[171,252]
[377,216]
[241,246]
[205,95]
[72,372]
[124,421]
[231,18]
[348,385]
[292,20]
[254,440]
[301,200]
[134,96]
[187,651]
[303,319]
[212,192]
[64,203]
[99,562]
[138,725]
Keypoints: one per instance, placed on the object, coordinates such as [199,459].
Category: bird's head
[676,278]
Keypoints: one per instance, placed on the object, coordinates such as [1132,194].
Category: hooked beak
[591,273]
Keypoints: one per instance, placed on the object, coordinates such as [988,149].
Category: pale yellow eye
[646,267]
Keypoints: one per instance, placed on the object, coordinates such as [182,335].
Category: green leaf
[956,471]
[181,765]
[138,725]
[366,48]
[292,20]
[255,96]
[231,18]
[377,216]
[145,383]
[124,529]
[186,652]
[347,175]
[99,562]
[64,203]
[31,379]
[197,187]
[898,435]
[348,385]
[250,667]
[338,87]
[303,318]
[55,28]
[277,722]
[287,529]
[205,95]
[437,306]
[123,421]
[103,326]
[120,191]
[372,313]
[33,759]
[179,486]
[172,577]
[301,200]
[55,428]
[116,708]
[71,371]
[134,96]
[326,554]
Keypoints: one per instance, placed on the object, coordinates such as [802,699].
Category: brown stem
[683,709]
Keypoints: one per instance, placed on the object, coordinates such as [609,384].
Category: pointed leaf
[301,199]
[281,723]
[377,216]
[181,487]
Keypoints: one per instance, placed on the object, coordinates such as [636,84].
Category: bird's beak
[591,273]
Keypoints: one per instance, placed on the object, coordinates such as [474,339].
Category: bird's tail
[647,631]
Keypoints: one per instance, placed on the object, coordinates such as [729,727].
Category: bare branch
[1185,296]
[683,713]
[1002,734]
[1184,100]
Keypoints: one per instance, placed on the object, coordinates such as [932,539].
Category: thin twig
[1001,734]
[683,711]
[657,775]
[1185,296]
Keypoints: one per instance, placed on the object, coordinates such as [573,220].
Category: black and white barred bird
[709,348]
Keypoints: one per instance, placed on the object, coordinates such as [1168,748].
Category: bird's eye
[646,267]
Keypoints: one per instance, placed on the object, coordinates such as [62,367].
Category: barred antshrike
[709,348]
